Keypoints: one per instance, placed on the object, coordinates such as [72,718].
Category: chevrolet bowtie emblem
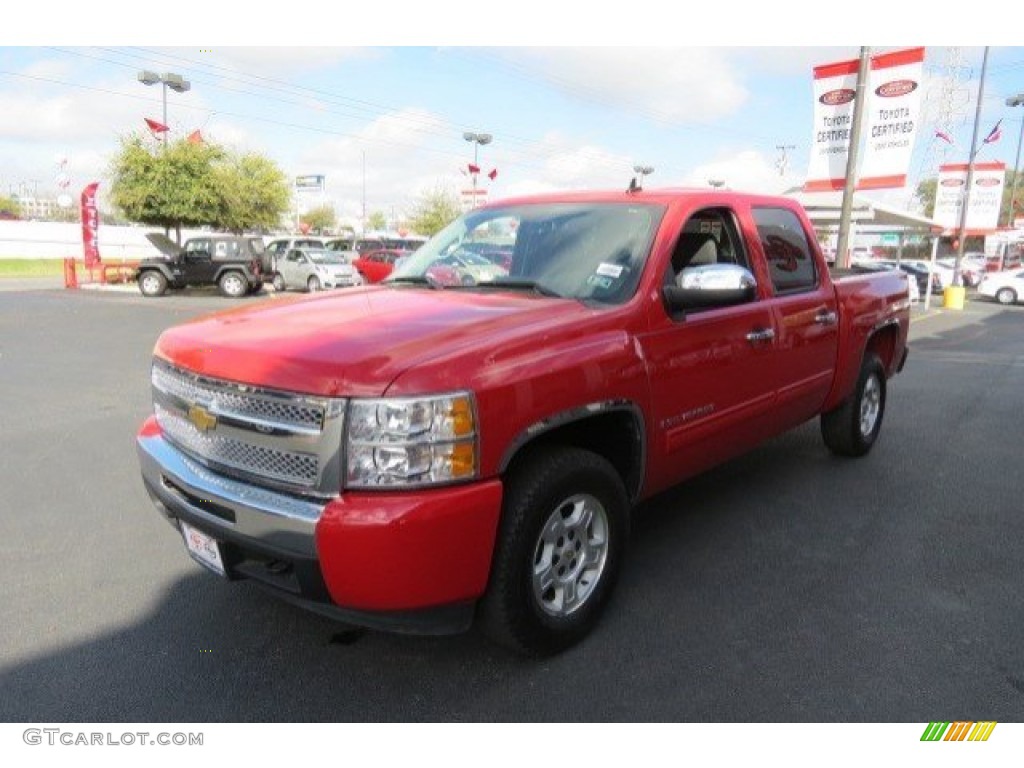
[201,418]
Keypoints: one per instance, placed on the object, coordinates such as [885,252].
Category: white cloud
[747,171]
[675,85]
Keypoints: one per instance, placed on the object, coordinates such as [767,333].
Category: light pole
[478,140]
[1015,101]
[168,80]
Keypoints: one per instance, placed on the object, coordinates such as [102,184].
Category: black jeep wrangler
[232,263]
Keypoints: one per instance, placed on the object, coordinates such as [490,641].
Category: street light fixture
[641,171]
[478,140]
[1015,101]
[171,80]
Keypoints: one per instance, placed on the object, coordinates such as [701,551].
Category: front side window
[786,250]
[591,252]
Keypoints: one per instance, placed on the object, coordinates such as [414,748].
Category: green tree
[254,192]
[196,184]
[377,221]
[925,195]
[320,219]
[9,206]
[434,211]
[171,187]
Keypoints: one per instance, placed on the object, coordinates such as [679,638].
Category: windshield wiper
[416,280]
[516,283]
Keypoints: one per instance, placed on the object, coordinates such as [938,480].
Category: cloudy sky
[561,117]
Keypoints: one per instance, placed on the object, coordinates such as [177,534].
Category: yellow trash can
[953,297]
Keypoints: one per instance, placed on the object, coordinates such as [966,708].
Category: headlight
[411,441]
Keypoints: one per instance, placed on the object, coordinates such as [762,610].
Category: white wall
[58,240]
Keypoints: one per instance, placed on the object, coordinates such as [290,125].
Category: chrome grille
[193,389]
[286,466]
[267,437]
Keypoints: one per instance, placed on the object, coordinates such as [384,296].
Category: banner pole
[842,246]
[962,229]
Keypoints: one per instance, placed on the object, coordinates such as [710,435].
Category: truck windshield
[585,251]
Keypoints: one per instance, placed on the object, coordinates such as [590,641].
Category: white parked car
[1004,287]
[313,269]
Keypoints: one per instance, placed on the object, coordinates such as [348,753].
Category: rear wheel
[565,522]
[152,283]
[852,428]
[233,285]
[1006,296]
[313,284]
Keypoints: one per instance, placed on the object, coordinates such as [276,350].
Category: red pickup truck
[413,456]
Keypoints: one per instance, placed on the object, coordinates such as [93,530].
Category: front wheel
[313,284]
[152,283]
[1006,296]
[233,285]
[852,428]
[278,282]
[565,522]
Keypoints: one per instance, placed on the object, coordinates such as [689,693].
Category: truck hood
[357,342]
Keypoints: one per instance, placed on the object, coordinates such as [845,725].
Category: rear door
[805,314]
[290,268]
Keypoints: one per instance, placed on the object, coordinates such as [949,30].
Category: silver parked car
[313,269]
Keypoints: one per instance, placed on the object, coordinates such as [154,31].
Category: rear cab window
[787,252]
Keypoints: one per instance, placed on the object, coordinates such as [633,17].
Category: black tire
[233,284]
[853,427]
[152,283]
[278,283]
[467,280]
[313,284]
[552,487]
[1006,296]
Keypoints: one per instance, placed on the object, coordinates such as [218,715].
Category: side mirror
[708,286]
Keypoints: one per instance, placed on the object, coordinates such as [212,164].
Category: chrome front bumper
[184,489]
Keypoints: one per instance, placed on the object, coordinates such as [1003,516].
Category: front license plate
[204,549]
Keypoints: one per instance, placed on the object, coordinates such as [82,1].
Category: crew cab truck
[412,456]
[232,263]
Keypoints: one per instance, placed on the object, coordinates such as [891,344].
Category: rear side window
[786,249]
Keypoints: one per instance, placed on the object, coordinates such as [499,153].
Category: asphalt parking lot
[786,586]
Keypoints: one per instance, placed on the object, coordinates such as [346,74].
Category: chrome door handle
[826,317]
[765,334]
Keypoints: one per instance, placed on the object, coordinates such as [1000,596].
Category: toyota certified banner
[892,118]
[986,196]
[90,226]
[834,93]
[893,113]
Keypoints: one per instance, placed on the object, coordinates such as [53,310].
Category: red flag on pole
[493,174]
[995,134]
[474,168]
[156,127]
[195,137]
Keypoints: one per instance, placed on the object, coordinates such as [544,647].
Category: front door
[199,265]
[711,391]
